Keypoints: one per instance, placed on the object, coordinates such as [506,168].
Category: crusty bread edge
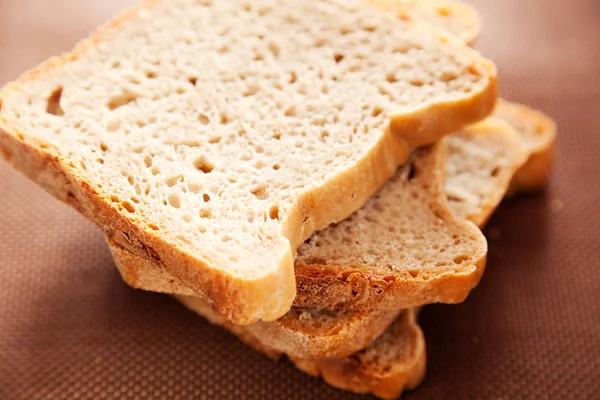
[346,339]
[347,373]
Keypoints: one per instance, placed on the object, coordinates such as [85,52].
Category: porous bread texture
[216,149]
[302,332]
[395,361]
[538,134]
[482,160]
[455,17]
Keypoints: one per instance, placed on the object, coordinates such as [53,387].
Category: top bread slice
[217,148]
[538,132]
[455,17]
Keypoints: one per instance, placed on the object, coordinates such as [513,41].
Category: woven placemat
[70,328]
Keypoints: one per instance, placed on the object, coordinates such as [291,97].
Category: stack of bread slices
[306,174]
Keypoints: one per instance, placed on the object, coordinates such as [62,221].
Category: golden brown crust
[348,332]
[357,374]
[371,370]
[354,288]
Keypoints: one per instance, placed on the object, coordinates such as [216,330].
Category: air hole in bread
[103,146]
[274,212]
[444,12]
[128,206]
[376,111]
[206,197]
[460,259]
[260,191]
[193,80]
[121,100]
[290,111]
[150,74]
[495,172]
[203,164]
[448,76]
[205,213]
[204,120]
[154,227]
[172,181]
[412,173]
[416,82]
[54,106]
[338,57]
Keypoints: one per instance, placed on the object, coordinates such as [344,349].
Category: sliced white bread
[216,149]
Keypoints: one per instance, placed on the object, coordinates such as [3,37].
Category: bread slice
[479,169]
[455,17]
[395,361]
[538,132]
[216,149]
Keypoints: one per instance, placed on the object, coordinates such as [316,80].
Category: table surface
[70,327]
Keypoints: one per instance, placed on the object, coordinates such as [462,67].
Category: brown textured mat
[69,327]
